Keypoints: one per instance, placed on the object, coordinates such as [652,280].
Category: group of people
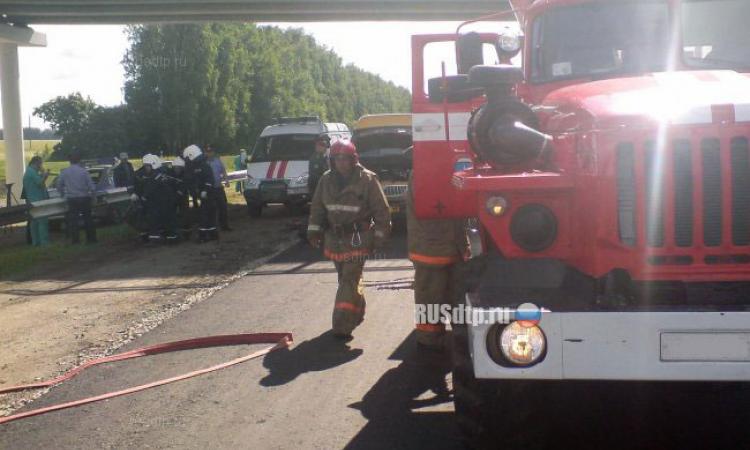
[350,219]
[162,196]
[75,185]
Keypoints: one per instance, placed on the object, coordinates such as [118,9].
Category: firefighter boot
[432,289]
[349,310]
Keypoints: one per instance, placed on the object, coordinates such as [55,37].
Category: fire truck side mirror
[452,89]
[469,52]
[489,76]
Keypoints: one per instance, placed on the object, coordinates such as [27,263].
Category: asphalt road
[375,392]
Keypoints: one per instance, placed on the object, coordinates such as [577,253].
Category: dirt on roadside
[63,314]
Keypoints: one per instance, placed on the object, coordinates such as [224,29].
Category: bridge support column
[10,94]
[12,37]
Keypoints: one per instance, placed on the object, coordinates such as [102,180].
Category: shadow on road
[320,353]
[401,406]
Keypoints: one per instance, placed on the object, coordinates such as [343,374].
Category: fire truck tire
[490,413]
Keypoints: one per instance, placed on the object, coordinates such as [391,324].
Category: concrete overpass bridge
[17,15]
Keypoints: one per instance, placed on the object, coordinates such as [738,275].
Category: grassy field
[19,257]
[41,148]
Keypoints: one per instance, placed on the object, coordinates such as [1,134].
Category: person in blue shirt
[34,190]
[76,186]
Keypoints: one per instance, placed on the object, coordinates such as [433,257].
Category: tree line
[37,134]
[219,84]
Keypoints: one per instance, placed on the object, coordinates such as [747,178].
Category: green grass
[20,258]
[33,148]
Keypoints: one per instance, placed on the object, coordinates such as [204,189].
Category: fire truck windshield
[599,40]
[716,34]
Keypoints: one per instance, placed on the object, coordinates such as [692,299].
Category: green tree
[222,83]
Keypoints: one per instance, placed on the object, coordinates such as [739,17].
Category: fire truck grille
[685,199]
[740,192]
[712,192]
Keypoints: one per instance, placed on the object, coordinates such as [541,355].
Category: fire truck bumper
[676,346]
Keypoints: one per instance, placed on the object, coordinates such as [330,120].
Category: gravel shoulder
[63,314]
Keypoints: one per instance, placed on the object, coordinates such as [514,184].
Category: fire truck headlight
[496,206]
[533,227]
[522,346]
[510,41]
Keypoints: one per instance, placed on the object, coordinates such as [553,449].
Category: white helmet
[152,160]
[191,152]
[178,162]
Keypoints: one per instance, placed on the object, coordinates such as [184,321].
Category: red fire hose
[280,340]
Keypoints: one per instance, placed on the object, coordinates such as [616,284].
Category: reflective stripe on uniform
[433,260]
[312,227]
[348,307]
[344,256]
[345,208]
[431,328]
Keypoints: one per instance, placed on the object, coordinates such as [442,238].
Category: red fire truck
[610,180]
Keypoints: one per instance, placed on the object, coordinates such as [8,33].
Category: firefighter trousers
[434,286]
[184,216]
[207,229]
[161,217]
[349,310]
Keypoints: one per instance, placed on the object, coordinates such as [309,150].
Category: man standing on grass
[34,190]
[240,163]
[76,186]
[220,180]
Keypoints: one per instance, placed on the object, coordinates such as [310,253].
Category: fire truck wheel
[490,413]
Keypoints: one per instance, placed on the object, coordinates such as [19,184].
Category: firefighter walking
[435,247]
[349,215]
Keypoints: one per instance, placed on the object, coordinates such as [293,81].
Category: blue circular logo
[528,315]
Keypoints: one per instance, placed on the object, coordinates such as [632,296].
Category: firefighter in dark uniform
[349,215]
[202,178]
[182,191]
[435,248]
[156,190]
[318,164]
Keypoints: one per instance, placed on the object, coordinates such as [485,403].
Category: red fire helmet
[342,147]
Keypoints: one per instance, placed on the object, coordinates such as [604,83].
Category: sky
[87,58]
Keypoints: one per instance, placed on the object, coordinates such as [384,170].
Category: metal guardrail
[239,175]
[59,206]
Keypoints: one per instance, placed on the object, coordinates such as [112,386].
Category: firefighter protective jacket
[201,176]
[352,216]
[435,242]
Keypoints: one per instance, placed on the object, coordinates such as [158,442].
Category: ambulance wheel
[255,210]
[491,413]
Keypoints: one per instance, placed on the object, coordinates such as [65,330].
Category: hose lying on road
[280,340]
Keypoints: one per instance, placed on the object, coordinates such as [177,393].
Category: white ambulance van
[277,170]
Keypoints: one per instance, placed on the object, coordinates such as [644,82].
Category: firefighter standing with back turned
[349,214]
[202,178]
[435,247]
